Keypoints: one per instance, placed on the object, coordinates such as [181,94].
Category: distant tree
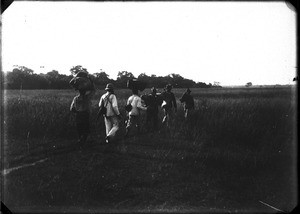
[24,70]
[19,78]
[175,79]
[24,78]
[125,75]
[216,84]
[58,81]
[75,69]
[202,85]
[145,78]
[122,78]
[101,79]
[53,74]
[248,84]
[37,82]
[102,75]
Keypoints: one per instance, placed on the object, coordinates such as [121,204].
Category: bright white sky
[229,42]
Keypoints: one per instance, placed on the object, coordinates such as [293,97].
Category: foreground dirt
[139,175]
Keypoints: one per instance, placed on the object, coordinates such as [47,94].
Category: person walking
[188,103]
[81,107]
[169,103]
[152,103]
[134,114]
[112,115]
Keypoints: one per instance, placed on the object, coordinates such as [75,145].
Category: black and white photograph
[149,107]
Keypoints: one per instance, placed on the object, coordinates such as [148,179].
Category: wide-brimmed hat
[168,86]
[109,86]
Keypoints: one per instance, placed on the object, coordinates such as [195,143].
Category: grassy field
[236,154]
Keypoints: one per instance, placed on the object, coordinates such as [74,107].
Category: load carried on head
[81,81]
[135,84]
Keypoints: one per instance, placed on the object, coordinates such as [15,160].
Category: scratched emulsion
[7,171]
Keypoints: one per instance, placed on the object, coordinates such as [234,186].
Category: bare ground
[143,174]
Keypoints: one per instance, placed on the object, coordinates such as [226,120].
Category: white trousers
[112,125]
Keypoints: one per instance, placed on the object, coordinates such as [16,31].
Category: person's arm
[140,106]
[174,102]
[193,103]
[129,100]
[182,99]
[72,107]
[100,102]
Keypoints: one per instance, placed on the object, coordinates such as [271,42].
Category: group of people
[151,103]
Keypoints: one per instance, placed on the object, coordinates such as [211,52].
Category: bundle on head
[81,82]
[136,85]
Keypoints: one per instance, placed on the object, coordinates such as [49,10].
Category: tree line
[22,77]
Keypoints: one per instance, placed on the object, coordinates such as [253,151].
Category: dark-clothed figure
[168,105]
[152,103]
[188,103]
[81,106]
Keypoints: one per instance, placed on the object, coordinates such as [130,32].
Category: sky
[227,42]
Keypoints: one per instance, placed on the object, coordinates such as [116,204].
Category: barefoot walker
[81,104]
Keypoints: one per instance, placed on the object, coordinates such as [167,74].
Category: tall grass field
[237,153]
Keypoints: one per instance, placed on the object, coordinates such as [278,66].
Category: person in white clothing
[112,115]
[134,114]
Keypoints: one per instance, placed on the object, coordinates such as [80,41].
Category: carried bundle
[135,84]
[81,82]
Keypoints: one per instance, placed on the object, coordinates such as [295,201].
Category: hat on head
[153,89]
[188,90]
[81,74]
[109,86]
[168,86]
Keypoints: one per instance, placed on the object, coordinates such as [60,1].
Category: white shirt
[136,103]
[111,104]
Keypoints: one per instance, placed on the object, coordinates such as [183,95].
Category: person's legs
[148,121]
[137,122]
[108,124]
[78,126]
[132,122]
[186,111]
[108,127]
[114,129]
[87,126]
[168,117]
[83,126]
[155,121]
[79,132]
[128,125]
[165,118]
